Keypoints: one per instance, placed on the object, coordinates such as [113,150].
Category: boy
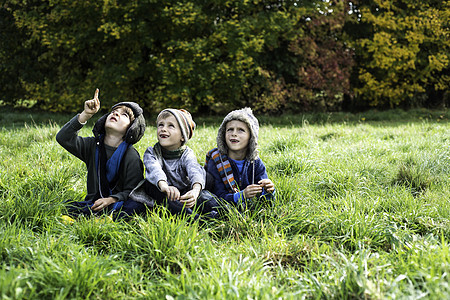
[113,164]
[172,171]
[238,173]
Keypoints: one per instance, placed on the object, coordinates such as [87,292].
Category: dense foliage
[405,56]
[214,55]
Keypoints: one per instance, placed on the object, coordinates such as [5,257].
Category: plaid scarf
[224,167]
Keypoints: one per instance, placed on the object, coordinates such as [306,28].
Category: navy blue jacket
[252,172]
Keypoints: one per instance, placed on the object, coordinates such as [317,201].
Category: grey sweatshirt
[181,173]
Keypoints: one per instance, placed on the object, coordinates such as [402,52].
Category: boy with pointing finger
[114,166]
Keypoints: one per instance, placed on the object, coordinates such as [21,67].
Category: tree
[325,58]
[217,55]
[204,55]
[19,54]
[405,58]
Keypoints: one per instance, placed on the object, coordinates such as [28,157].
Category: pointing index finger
[97,101]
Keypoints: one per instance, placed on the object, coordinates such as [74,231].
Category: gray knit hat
[137,128]
[244,115]
[184,119]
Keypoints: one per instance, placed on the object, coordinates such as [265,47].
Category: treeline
[212,56]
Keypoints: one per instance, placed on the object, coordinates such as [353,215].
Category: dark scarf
[108,170]
[161,152]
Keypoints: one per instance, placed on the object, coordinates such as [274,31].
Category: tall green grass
[362,212]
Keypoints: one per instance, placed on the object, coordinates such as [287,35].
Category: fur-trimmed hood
[244,115]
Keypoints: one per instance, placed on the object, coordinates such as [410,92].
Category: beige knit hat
[184,119]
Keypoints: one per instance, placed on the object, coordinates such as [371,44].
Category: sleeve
[220,189]
[196,173]
[133,174]
[153,169]
[68,138]
[260,172]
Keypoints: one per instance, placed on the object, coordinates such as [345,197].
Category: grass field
[362,212]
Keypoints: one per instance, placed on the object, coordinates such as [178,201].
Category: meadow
[362,212]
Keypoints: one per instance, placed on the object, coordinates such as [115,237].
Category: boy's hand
[102,203]
[172,192]
[91,107]
[267,184]
[190,198]
[252,190]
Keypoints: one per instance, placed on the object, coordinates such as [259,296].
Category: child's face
[169,133]
[117,121]
[237,136]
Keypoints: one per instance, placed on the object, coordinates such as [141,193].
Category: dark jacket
[84,148]
[252,172]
